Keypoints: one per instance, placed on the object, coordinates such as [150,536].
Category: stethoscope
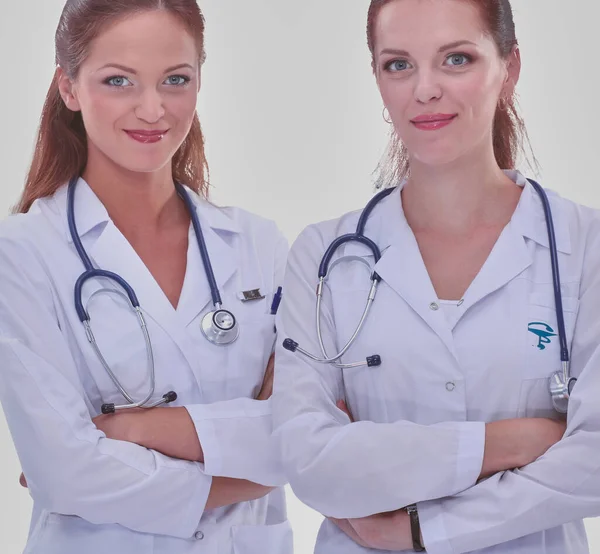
[218,326]
[561,382]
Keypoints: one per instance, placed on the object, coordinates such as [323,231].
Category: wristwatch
[415,528]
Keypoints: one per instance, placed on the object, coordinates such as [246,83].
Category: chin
[436,157]
[149,163]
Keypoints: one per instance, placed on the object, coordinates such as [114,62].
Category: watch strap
[415,528]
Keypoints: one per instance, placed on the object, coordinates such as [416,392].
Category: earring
[503,104]
[387,119]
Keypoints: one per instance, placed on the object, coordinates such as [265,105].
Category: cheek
[396,94]
[183,106]
[479,96]
[100,110]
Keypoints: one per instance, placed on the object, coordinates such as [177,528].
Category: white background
[294,128]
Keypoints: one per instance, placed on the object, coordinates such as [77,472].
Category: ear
[513,71]
[67,92]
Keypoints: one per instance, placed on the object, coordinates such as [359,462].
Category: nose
[427,87]
[150,107]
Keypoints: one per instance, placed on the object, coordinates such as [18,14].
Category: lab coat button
[450,386]
[199,535]
[434,306]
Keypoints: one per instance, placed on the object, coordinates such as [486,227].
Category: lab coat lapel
[111,251]
[402,268]
[509,257]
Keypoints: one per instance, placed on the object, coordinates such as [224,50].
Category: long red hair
[61,145]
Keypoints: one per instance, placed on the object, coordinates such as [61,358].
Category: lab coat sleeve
[343,469]
[70,466]
[236,434]
[561,486]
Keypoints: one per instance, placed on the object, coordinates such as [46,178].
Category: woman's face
[440,76]
[137,90]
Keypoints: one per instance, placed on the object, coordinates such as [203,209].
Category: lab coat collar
[387,221]
[530,220]
[90,213]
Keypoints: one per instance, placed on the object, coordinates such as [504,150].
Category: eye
[457,60]
[118,81]
[396,65]
[177,80]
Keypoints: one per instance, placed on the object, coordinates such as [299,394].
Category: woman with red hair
[122,289]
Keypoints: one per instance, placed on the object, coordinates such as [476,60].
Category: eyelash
[108,80]
[468,58]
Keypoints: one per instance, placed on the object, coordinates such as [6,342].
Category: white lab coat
[419,434]
[96,495]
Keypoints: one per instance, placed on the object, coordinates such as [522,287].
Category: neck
[137,203]
[459,196]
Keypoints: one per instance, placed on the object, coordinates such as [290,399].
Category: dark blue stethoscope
[219,326]
[561,382]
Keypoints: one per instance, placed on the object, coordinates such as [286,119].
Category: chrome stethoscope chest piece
[220,327]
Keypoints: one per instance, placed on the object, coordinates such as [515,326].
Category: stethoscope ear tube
[324,267]
[222,325]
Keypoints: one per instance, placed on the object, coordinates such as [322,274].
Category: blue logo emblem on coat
[543,332]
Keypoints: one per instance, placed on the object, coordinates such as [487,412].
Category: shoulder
[248,230]
[582,222]
[315,238]
[28,235]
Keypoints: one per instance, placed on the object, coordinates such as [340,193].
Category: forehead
[139,40]
[411,24]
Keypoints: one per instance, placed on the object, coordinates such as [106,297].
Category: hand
[341,404]
[388,531]
[267,387]
[513,443]
[22,480]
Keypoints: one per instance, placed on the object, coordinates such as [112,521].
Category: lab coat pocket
[263,539]
[543,344]
[542,353]
[245,361]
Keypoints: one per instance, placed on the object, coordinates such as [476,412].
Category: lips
[432,122]
[146,137]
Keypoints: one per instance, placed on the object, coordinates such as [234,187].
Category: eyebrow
[134,72]
[449,46]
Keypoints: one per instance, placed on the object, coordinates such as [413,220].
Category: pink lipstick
[146,137]
[433,122]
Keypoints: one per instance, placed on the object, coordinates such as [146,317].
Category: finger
[341,404]
[268,386]
[270,366]
[266,389]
